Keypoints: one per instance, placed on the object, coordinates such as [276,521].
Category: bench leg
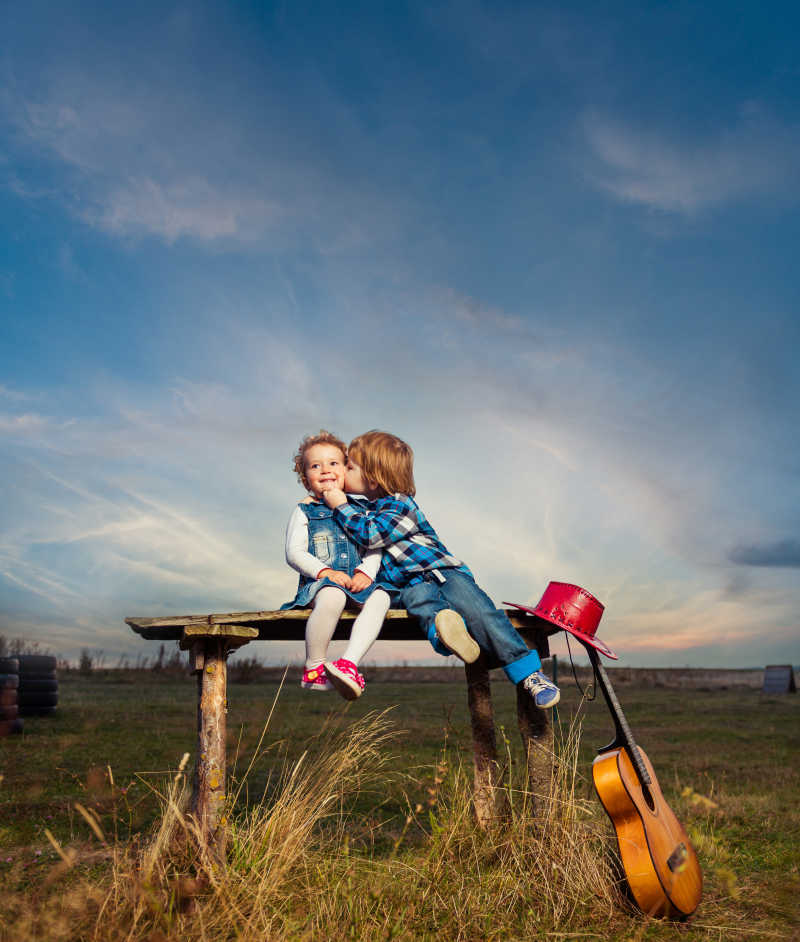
[537,743]
[490,802]
[208,801]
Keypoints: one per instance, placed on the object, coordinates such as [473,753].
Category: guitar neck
[624,738]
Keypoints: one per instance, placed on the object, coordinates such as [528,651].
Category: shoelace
[352,672]
[536,684]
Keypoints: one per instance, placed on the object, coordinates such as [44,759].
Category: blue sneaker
[544,692]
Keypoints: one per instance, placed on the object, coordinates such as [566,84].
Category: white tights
[329,604]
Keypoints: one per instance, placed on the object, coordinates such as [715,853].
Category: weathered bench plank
[289,616]
[291,625]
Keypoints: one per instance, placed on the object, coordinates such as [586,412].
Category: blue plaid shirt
[396,525]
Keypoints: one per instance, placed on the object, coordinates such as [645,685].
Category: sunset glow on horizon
[551,246]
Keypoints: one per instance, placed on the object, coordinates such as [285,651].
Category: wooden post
[536,729]
[208,647]
[537,742]
[489,803]
[208,800]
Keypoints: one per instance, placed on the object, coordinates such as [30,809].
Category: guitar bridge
[677,859]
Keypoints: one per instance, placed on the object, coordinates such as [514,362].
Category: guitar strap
[592,684]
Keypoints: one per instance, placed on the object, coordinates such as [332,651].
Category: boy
[435,587]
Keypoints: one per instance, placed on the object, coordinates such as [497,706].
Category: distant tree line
[172,662]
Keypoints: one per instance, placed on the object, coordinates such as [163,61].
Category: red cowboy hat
[574,609]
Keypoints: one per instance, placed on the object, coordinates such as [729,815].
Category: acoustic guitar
[660,864]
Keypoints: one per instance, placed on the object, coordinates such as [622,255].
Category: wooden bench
[209,639]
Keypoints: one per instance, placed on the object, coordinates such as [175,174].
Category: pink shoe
[345,678]
[315,678]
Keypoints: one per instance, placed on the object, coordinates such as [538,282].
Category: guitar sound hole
[648,798]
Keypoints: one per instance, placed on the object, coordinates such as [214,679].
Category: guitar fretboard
[624,734]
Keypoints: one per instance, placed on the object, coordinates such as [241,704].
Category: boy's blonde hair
[386,461]
[324,438]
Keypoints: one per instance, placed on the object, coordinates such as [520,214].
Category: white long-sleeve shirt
[299,558]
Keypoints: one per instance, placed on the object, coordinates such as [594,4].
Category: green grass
[727,762]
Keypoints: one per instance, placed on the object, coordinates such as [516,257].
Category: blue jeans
[497,638]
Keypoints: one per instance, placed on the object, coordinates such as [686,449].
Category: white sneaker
[454,636]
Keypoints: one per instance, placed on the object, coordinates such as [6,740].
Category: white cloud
[135,159]
[40,583]
[522,496]
[756,157]
[135,163]
[472,313]
[188,207]
[29,422]
[99,550]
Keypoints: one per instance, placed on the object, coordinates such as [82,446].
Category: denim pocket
[324,547]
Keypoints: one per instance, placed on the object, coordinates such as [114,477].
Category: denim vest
[330,544]
[328,541]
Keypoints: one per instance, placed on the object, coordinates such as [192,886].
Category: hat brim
[584,639]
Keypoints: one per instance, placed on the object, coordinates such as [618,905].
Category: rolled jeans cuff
[520,669]
[436,644]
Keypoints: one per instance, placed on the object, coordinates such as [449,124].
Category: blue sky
[552,246]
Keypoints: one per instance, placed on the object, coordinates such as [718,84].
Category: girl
[331,572]
[435,586]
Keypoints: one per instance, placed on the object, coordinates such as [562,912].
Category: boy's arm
[297,555]
[392,519]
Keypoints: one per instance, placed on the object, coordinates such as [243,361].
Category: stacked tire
[10,721]
[38,685]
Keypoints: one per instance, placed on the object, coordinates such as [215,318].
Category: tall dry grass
[304,862]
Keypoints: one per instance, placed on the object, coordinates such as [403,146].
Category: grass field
[394,855]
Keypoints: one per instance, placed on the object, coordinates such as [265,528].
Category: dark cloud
[783,554]
[739,585]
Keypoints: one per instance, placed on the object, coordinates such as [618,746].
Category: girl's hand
[340,578]
[359,581]
[334,497]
